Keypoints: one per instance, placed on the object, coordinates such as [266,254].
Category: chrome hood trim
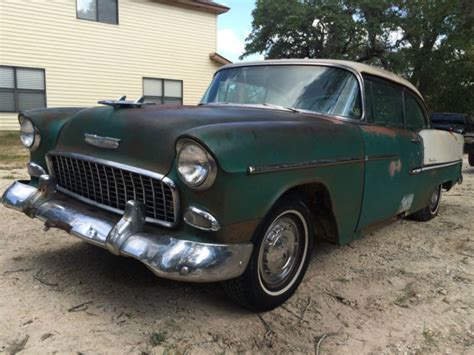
[101,142]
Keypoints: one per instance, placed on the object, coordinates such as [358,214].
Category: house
[76,52]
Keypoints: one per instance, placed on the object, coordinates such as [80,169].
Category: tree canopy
[429,42]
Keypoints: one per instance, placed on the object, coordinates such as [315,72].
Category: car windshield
[320,89]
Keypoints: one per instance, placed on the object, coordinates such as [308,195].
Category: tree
[430,42]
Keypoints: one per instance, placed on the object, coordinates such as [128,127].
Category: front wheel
[430,211]
[282,249]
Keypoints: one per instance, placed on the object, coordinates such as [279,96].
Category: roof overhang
[205,5]
[216,57]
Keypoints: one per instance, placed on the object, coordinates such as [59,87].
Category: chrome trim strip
[101,142]
[35,170]
[165,180]
[433,167]
[252,170]
[215,226]
[165,255]
[382,157]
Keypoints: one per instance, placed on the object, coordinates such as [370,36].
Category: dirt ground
[407,288]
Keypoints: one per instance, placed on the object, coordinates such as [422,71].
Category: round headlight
[29,135]
[196,167]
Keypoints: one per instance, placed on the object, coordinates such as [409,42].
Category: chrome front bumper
[166,256]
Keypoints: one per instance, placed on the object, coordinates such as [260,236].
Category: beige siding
[86,61]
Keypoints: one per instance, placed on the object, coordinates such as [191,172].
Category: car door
[391,152]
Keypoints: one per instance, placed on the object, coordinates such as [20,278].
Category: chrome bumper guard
[164,255]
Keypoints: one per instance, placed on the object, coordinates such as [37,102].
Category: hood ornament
[101,142]
[122,102]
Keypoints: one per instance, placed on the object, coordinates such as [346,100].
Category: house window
[21,89]
[163,91]
[98,10]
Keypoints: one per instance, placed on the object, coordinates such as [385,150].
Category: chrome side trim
[101,142]
[166,180]
[165,255]
[253,170]
[215,226]
[382,157]
[433,167]
[35,170]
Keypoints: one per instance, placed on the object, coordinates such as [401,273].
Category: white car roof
[355,66]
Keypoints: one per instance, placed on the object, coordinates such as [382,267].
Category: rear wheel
[282,249]
[430,211]
[471,159]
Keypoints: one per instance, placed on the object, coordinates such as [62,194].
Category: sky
[233,27]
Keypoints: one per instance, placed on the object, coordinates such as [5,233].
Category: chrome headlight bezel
[205,161]
[30,136]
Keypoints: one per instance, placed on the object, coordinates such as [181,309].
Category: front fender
[238,196]
[49,122]
[240,145]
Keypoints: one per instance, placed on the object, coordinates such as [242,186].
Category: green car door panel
[390,188]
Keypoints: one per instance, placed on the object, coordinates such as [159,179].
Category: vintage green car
[278,153]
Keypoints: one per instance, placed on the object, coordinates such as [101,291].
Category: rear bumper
[165,255]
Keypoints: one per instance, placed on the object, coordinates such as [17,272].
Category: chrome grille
[111,185]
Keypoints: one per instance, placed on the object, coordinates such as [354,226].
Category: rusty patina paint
[395,167]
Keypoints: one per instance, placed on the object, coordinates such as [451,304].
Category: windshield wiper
[278,107]
[292,109]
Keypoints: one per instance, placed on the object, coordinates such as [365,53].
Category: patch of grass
[157,338]
[11,149]
[9,177]
[407,293]
[342,279]
[430,337]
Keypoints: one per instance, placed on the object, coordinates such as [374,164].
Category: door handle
[416,140]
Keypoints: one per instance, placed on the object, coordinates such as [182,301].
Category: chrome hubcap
[279,250]
[435,200]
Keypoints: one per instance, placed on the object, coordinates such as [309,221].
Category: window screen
[21,89]
[98,10]
[163,91]
[415,118]
[384,103]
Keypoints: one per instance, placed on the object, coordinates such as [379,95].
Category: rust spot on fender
[395,167]
[380,130]
[389,132]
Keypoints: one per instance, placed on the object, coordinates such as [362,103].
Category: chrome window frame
[162,178]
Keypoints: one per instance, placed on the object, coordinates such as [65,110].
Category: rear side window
[414,116]
[384,102]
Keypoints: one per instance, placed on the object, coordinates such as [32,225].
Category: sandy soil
[407,288]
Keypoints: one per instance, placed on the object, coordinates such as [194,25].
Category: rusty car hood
[148,135]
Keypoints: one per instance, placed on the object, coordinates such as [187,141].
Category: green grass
[430,337]
[12,151]
[157,338]
[407,294]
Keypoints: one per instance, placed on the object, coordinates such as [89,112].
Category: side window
[369,115]
[415,119]
[387,103]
